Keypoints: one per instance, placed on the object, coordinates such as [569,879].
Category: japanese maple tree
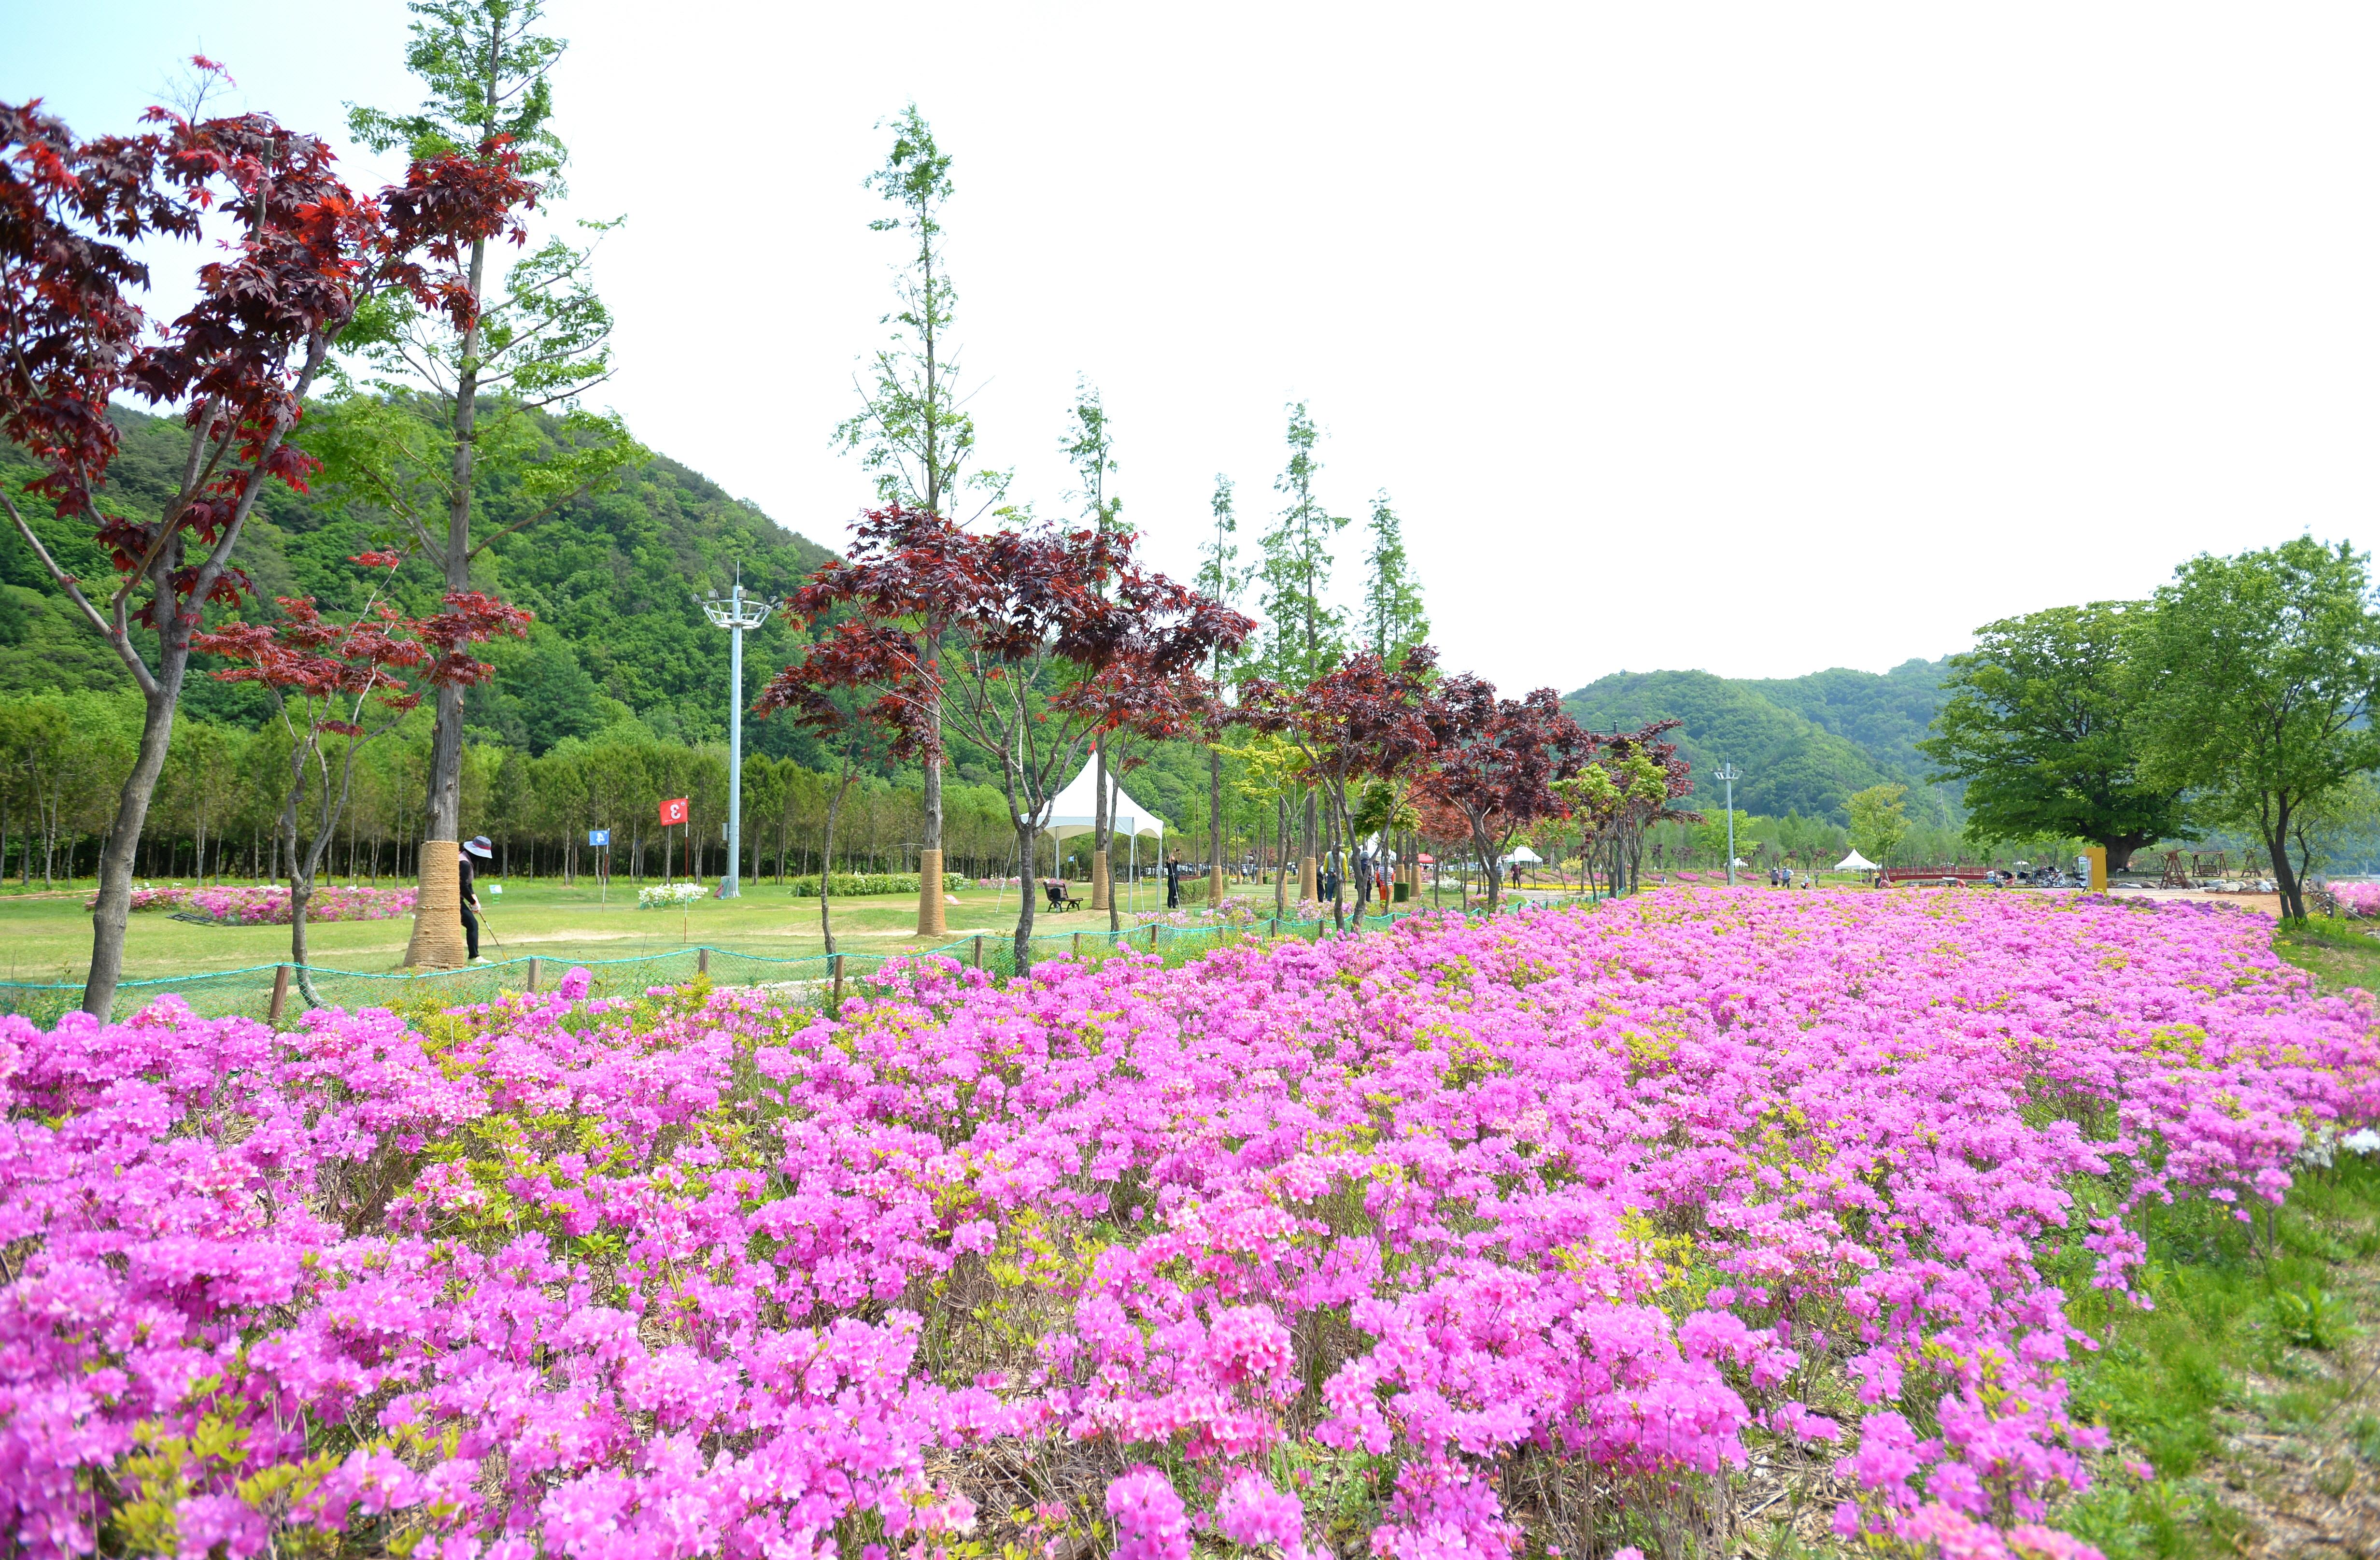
[335,687]
[301,254]
[1365,719]
[1498,762]
[1035,659]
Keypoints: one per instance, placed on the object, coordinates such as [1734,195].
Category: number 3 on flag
[673,810]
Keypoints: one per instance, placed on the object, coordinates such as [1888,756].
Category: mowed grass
[47,936]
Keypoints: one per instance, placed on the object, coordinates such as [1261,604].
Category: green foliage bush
[846,885]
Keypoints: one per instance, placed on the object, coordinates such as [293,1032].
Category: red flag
[673,810]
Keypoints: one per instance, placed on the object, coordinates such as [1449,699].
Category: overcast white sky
[1760,338]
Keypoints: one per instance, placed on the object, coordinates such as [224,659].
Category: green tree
[913,433]
[445,400]
[1304,633]
[1393,619]
[2254,678]
[2038,724]
[1877,820]
[1303,637]
[1090,449]
[1222,579]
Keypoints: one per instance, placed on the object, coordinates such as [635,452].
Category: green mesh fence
[251,992]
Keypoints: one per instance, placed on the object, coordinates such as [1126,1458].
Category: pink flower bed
[270,906]
[2357,898]
[1418,1226]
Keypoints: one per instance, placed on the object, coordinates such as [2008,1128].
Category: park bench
[1062,896]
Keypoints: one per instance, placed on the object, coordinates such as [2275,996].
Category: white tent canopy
[1524,853]
[1855,863]
[1074,810]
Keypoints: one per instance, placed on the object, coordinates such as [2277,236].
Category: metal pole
[732,888]
[1730,773]
[735,614]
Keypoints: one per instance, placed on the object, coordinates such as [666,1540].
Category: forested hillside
[1804,744]
[609,578]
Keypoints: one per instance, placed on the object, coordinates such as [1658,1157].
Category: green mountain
[616,639]
[1804,744]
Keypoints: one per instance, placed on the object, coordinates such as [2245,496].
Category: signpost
[600,840]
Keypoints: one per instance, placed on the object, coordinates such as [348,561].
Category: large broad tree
[459,400]
[2039,725]
[301,257]
[2253,677]
[1499,763]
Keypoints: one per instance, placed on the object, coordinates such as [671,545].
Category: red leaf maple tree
[1497,762]
[1030,662]
[1367,718]
[301,253]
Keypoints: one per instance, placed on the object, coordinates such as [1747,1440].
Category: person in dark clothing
[1174,884]
[479,847]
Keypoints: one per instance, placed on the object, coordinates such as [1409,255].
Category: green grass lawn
[47,936]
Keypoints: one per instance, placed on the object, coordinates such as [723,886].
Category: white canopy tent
[1855,863]
[1075,808]
[1073,811]
[1522,854]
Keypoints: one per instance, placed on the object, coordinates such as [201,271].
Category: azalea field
[1564,1233]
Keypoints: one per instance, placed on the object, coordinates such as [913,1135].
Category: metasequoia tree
[1364,720]
[1090,449]
[302,256]
[1304,635]
[457,394]
[1393,618]
[913,431]
[337,686]
[1498,762]
[1220,579]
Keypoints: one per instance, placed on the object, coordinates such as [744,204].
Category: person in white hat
[479,847]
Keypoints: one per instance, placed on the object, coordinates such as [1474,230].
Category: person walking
[1174,882]
[477,846]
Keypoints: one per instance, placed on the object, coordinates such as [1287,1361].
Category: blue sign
[598,836]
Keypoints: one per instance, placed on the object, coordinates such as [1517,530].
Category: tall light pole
[735,612]
[1730,773]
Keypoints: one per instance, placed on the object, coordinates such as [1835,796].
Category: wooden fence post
[979,950]
[1152,937]
[838,981]
[532,973]
[1078,945]
[280,994]
[702,961]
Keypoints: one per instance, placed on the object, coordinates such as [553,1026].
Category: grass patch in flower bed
[1700,1221]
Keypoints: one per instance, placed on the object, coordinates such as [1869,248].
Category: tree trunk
[438,912]
[114,906]
[1025,888]
[2284,873]
[1214,827]
[833,810]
